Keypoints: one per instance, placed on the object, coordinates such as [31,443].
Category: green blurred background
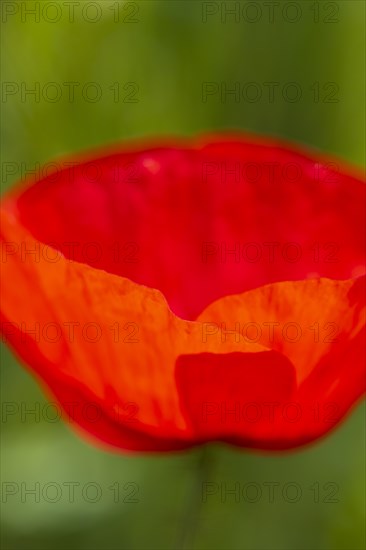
[160,53]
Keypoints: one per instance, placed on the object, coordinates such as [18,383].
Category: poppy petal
[63,324]
[204,220]
[318,325]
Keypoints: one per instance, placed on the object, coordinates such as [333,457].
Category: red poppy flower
[191,292]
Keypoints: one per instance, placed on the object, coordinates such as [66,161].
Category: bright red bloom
[164,251]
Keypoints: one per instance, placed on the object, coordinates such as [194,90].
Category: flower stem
[194,501]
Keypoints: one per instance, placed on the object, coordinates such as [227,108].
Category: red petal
[130,384]
[318,325]
[170,217]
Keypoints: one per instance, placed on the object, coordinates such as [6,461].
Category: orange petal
[62,317]
[319,325]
